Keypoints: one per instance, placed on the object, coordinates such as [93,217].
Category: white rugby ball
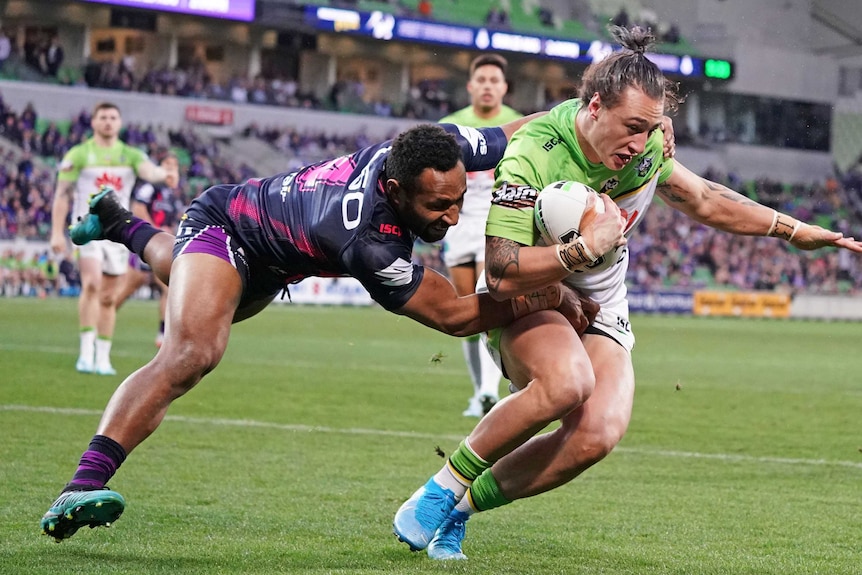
[558,212]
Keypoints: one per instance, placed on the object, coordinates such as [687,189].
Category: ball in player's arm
[609,140]
[238,246]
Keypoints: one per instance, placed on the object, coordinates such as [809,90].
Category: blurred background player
[464,244]
[162,206]
[100,160]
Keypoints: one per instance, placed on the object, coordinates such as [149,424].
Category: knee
[107,300]
[563,386]
[89,289]
[186,360]
[593,443]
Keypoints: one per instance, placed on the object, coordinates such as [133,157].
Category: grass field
[743,454]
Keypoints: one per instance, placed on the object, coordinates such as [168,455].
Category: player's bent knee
[562,390]
[188,361]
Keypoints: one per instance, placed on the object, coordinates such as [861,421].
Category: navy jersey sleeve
[383,266]
[481,148]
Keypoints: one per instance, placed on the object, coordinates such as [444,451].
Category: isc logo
[390,229]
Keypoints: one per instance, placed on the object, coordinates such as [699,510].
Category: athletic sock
[461,469]
[98,464]
[137,234]
[103,351]
[489,374]
[471,347]
[485,493]
[88,343]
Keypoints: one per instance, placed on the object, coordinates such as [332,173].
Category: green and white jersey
[91,166]
[479,184]
[546,150]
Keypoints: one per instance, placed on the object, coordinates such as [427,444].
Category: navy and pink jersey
[164,206]
[331,219]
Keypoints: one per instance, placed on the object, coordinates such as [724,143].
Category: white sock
[88,342]
[447,478]
[491,374]
[465,505]
[472,349]
[103,352]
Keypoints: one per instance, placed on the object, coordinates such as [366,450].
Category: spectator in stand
[622,18]
[52,57]
[5,48]
[497,17]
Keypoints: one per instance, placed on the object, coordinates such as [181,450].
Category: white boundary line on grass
[417,435]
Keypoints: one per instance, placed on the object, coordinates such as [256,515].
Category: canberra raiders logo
[610,185]
[644,166]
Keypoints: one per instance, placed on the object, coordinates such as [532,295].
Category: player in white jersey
[464,245]
[609,140]
[101,160]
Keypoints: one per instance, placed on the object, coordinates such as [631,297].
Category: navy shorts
[206,229]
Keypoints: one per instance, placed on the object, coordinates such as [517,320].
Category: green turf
[743,454]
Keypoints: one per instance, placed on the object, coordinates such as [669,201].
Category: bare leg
[91,285]
[110,288]
[544,355]
[203,297]
[586,435]
[135,278]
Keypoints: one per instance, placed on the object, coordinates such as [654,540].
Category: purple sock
[137,235]
[98,464]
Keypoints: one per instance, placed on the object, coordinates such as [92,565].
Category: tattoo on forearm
[501,256]
[729,194]
[667,193]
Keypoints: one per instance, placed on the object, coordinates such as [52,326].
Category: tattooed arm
[512,269]
[722,208]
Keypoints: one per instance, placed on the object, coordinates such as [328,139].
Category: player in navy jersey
[162,206]
[238,246]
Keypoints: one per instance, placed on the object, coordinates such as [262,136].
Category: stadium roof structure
[844,19]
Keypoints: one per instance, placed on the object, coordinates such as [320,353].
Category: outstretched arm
[720,207]
[437,305]
[167,172]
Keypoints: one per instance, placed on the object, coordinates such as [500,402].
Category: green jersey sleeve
[136,157]
[71,164]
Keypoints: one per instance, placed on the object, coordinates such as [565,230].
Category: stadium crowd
[672,251]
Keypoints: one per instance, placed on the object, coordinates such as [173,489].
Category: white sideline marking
[417,435]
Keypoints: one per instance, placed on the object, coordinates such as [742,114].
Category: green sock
[467,463]
[485,492]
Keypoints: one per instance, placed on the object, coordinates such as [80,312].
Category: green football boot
[76,509]
[105,220]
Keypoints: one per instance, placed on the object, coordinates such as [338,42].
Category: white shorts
[612,321]
[465,242]
[114,257]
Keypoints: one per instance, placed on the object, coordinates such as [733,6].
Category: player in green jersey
[464,244]
[102,160]
[608,139]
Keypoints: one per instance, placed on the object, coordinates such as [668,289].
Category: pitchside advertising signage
[228,9]
[383,26]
